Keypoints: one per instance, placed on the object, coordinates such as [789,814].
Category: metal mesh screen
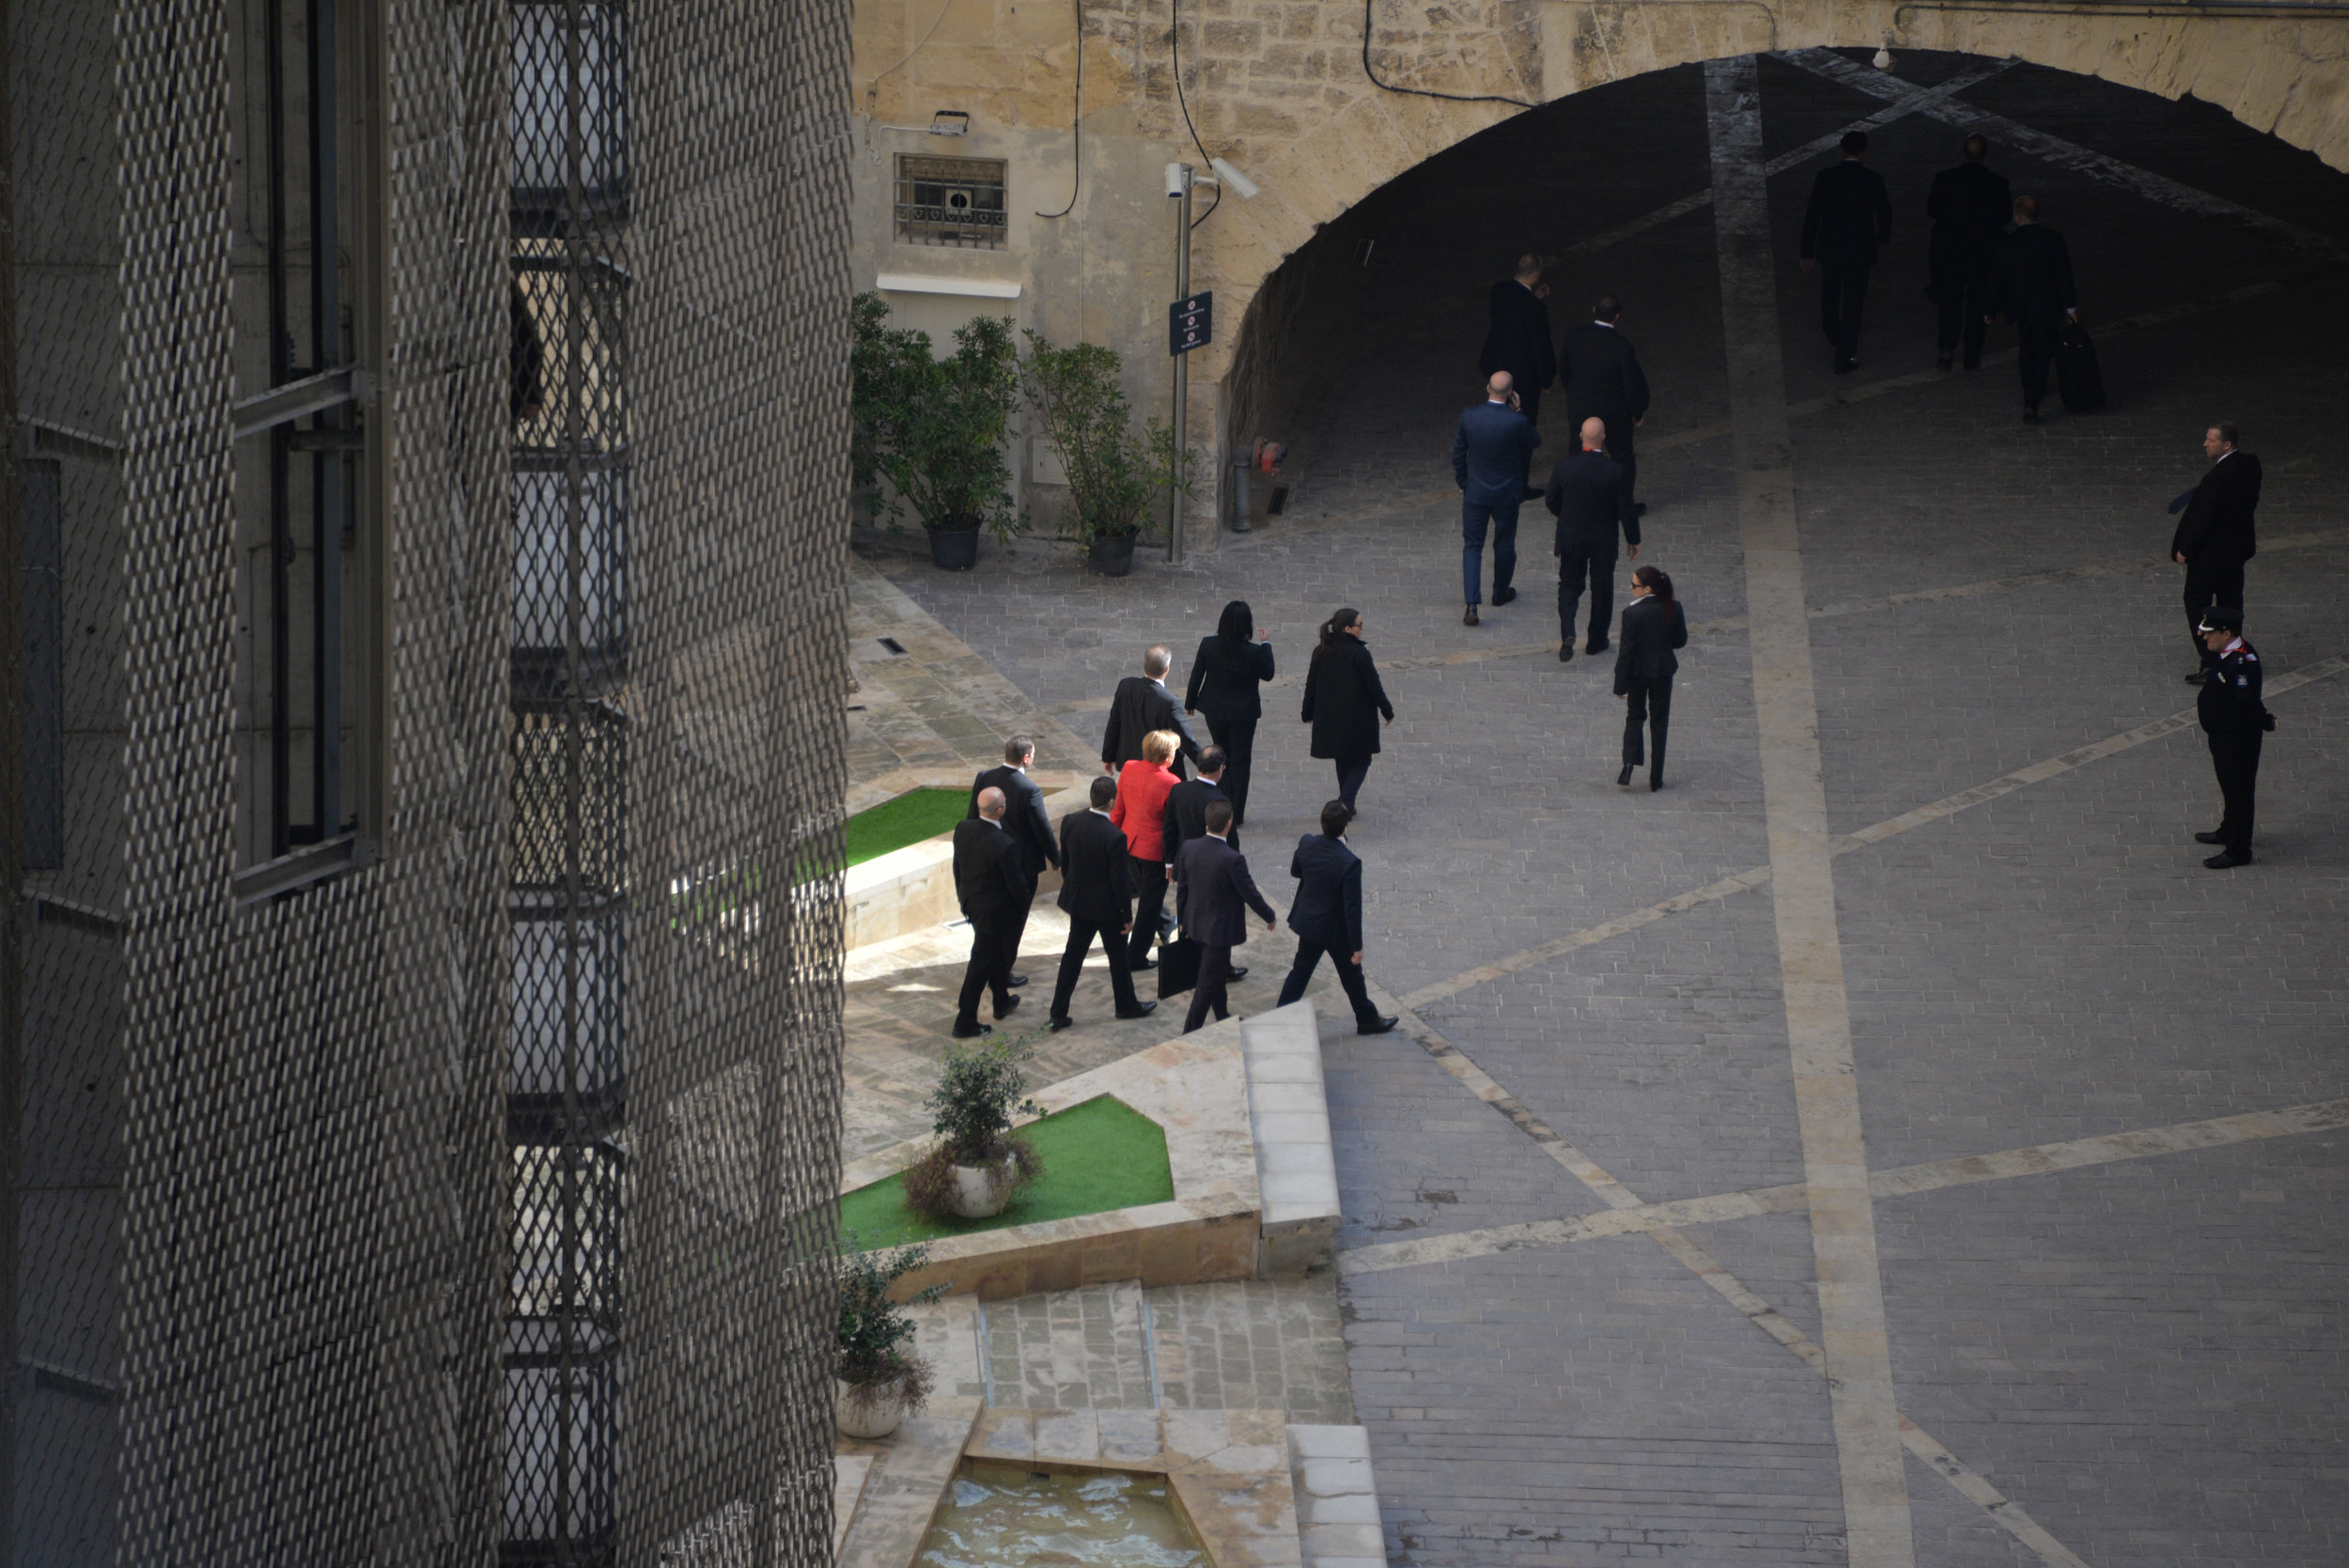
[472,1201]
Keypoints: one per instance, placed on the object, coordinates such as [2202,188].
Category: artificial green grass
[916,814]
[1097,1156]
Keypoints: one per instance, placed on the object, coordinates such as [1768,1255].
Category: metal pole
[1182,376]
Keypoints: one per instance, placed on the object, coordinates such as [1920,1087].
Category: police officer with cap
[2234,718]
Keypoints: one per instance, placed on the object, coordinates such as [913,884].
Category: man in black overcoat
[1140,704]
[1096,889]
[1517,340]
[1328,917]
[1585,494]
[1849,216]
[1603,381]
[2031,281]
[1213,895]
[994,891]
[2216,534]
[1023,819]
[1968,206]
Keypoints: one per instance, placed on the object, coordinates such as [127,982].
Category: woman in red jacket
[1141,816]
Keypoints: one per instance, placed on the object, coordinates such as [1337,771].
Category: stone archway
[2277,72]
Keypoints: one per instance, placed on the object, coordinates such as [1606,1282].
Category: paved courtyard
[1886,1144]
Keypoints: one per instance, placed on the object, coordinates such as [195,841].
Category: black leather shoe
[1058,1024]
[2030,414]
[2210,838]
[1597,647]
[1845,368]
[1625,777]
[1468,619]
[1142,966]
[1655,782]
[1502,595]
[1006,1010]
[1941,362]
[1566,653]
[2227,861]
[972,1033]
[1144,1011]
[1239,971]
[1016,981]
[1382,1025]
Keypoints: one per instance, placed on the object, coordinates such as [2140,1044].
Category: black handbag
[2080,381]
[1178,966]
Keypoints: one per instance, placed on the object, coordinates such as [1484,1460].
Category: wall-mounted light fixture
[947,122]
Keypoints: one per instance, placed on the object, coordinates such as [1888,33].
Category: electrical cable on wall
[1418,92]
[1175,43]
[1075,123]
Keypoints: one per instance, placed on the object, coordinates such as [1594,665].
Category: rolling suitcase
[2079,380]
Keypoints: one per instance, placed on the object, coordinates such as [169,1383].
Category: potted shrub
[939,441]
[1115,472]
[876,1384]
[979,1162]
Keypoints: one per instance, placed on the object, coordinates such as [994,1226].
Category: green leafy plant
[865,1354]
[979,1090]
[881,360]
[1115,471]
[939,426]
[980,1087]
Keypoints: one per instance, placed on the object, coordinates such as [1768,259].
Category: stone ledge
[1195,1088]
[1288,1113]
[1337,1498]
[913,888]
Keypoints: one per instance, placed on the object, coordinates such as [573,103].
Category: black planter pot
[955,549]
[1112,554]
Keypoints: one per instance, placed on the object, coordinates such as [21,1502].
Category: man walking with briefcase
[2030,282]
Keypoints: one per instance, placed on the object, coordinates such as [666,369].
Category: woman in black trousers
[1225,681]
[1344,701]
[1652,628]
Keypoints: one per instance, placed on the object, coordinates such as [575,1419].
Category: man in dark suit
[1213,894]
[1328,917]
[1585,494]
[1491,449]
[1849,215]
[1186,806]
[2031,280]
[2217,533]
[1143,703]
[1023,819]
[1603,381]
[994,891]
[1096,889]
[1968,207]
[1519,338]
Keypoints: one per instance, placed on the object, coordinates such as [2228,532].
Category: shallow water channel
[1007,1517]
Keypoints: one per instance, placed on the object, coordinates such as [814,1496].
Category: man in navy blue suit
[1492,451]
[1328,917]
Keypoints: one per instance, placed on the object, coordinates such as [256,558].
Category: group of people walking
[1148,827]
[1989,256]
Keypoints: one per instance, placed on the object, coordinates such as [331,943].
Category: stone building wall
[1279,87]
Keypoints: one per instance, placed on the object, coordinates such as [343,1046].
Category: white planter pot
[874,1417]
[982,1190]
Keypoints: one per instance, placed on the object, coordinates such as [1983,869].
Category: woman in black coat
[1225,681]
[1652,628]
[1344,701]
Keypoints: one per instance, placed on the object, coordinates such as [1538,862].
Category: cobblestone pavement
[2134,1361]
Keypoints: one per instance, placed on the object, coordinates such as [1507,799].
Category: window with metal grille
[309,453]
[951,201]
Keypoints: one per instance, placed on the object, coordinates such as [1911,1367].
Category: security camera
[1235,181]
[1178,179]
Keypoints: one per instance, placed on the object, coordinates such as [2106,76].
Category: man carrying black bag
[2030,283]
